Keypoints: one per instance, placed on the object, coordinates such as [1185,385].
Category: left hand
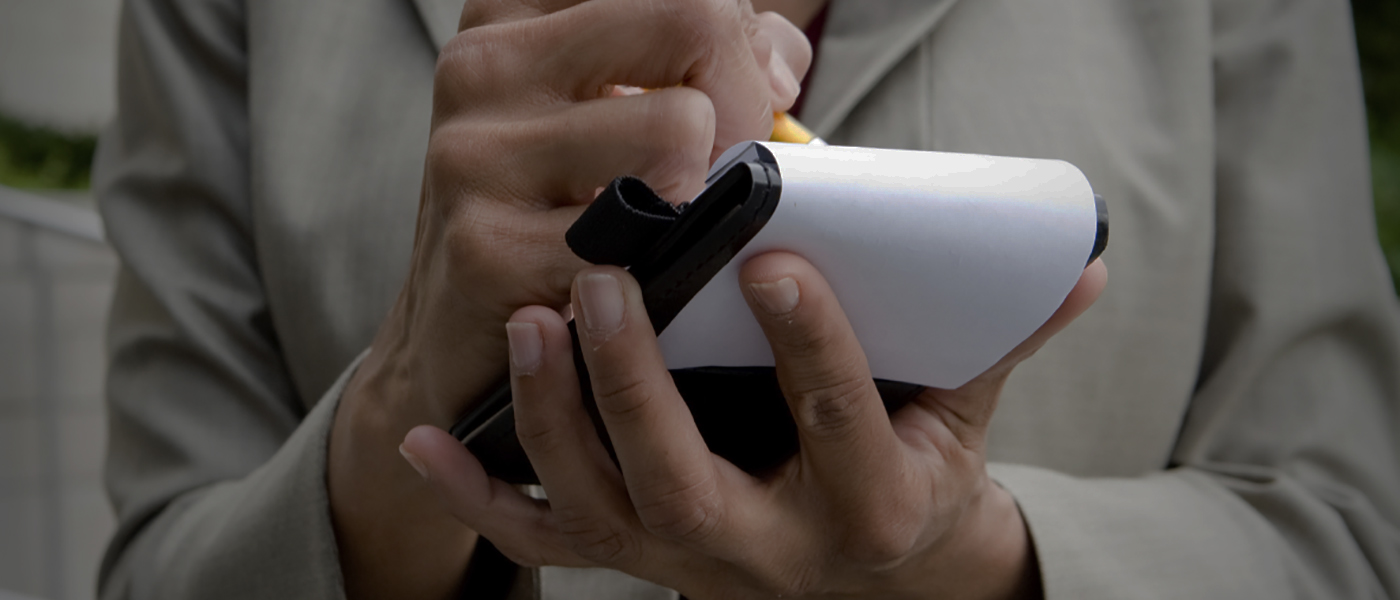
[873,505]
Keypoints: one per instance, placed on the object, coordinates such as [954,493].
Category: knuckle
[482,247]
[473,238]
[596,540]
[494,246]
[454,151]
[690,510]
[458,61]
[621,398]
[694,27]
[467,154]
[477,13]
[484,156]
[789,580]
[831,409]
[719,15]
[537,437]
[476,59]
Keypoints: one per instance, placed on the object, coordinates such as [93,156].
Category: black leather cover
[673,253]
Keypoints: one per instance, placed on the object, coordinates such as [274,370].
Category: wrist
[394,537]
[1011,563]
[988,554]
[426,371]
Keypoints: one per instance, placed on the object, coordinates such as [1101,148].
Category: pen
[787,129]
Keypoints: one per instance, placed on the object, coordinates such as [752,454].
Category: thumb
[518,526]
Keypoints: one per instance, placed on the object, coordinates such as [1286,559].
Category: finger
[522,256]
[781,49]
[844,431]
[578,53]
[516,524]
[562,155]
[678,489]
[479,13]
[706,47]
[784,52]
[523,202]
[968,410]
[1085,292]
[586,494]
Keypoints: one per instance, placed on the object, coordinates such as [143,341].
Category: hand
[872,506]
[524,130]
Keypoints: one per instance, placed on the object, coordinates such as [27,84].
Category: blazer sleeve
[215,468]
[1285,479]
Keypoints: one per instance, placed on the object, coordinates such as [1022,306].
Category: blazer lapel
[440,18]
[862,42]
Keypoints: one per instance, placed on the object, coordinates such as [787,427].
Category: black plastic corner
[1100,236]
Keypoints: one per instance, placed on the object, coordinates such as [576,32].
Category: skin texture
[873,505]
[526,127]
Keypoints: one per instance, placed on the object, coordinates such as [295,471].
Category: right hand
[525,130]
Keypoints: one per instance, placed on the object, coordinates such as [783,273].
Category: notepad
[943,262]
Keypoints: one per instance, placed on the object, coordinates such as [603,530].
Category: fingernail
[416,462]
[526,347]
[779,297]
[601,296]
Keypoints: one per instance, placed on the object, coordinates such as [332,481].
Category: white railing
[59,275]
[49,214]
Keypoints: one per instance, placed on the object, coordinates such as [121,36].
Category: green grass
[42,158]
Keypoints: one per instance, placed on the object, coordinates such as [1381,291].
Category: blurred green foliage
[42,158]
[1385,175]
[1378,39]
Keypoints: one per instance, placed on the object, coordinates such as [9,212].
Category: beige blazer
[1222,424]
